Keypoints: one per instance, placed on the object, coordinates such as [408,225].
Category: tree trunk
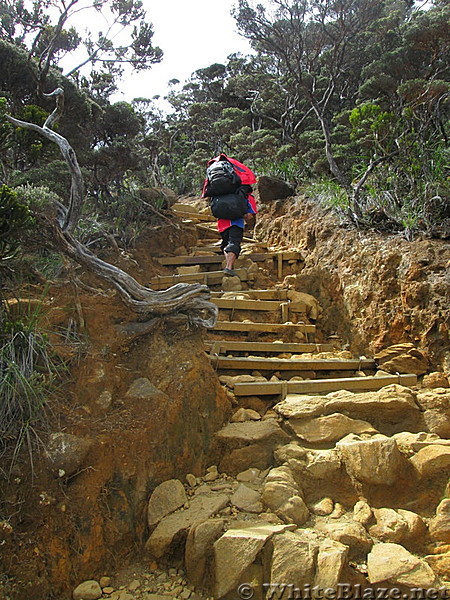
[189,299]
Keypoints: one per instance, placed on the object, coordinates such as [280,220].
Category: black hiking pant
[231,239]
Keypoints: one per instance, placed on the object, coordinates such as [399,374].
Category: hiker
[228,185]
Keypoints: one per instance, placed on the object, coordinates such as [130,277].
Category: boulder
[350,533]
[236,550]
[201,508]
[165,499]
[402,526]
[199,547]
[66,453]
[392,409]
[431,460]
[88,590]
[376,461]
[247,499]
[402,358]
[362,513]
[245,414]
[439,526]
[294,510]
[323,507]
[435,380]
[293,559]
[394,565]
[330,428]
[273,188]
[436,404]
[331,559]
[321,464]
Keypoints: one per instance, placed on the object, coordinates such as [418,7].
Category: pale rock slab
[439,525]
[394,404]
[330,428]
[397,526]
[165,499]
[331,559]
[393,564]
[201,508]
[323,507]
[247,499]
[294,510]
[293,559]
[88,590]
[350,534]
[431,460]
[376,461]
[250,432]
[199,547]
[402,358]
[236,550]
[245,414]
[362,513]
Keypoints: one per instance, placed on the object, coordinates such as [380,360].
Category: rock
[88,590]
[104,401]
[66,453]
[294,510]
[322,464]
[278,488]
[235,551]
[188,270]
[247,499]
[191,480]
[330,562]
[362,513]
[199,547]
[439,525]
[402,358]
[323,507]
[249,475]
[291,450]
[305,304]
[231,284]
[293,559]
[375,461]
[273,188]
[241,434]
[435,380]
[393,564]
[245,414]
[330,428]
[392,409]
[201,508]
[400,526]
[436,403]
[431,460]
[212,473]
[165,499]
[350,533]
[440,563]
[104,582]
[142,388]
[338,511]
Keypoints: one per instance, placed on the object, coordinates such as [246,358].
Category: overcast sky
[192,34]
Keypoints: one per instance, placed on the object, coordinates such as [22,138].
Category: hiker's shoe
[230,272]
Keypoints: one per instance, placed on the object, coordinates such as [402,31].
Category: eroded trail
[332,471]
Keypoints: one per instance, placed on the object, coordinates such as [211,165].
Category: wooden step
[203,260]
[221,346]
[318,386]
[208,278]
[270,294]
[263,327]
[291,364]
[237,304]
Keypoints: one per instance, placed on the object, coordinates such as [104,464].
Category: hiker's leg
[233,248]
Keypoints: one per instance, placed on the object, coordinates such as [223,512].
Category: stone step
[223,346]
[263,327]
[160,282]
[317,386]
[214,259]
[291,364]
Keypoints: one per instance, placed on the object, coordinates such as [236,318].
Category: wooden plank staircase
[277,347]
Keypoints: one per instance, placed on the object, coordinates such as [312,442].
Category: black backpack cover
[222,178]
[230,206]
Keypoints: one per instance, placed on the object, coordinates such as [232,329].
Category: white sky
[193,34]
